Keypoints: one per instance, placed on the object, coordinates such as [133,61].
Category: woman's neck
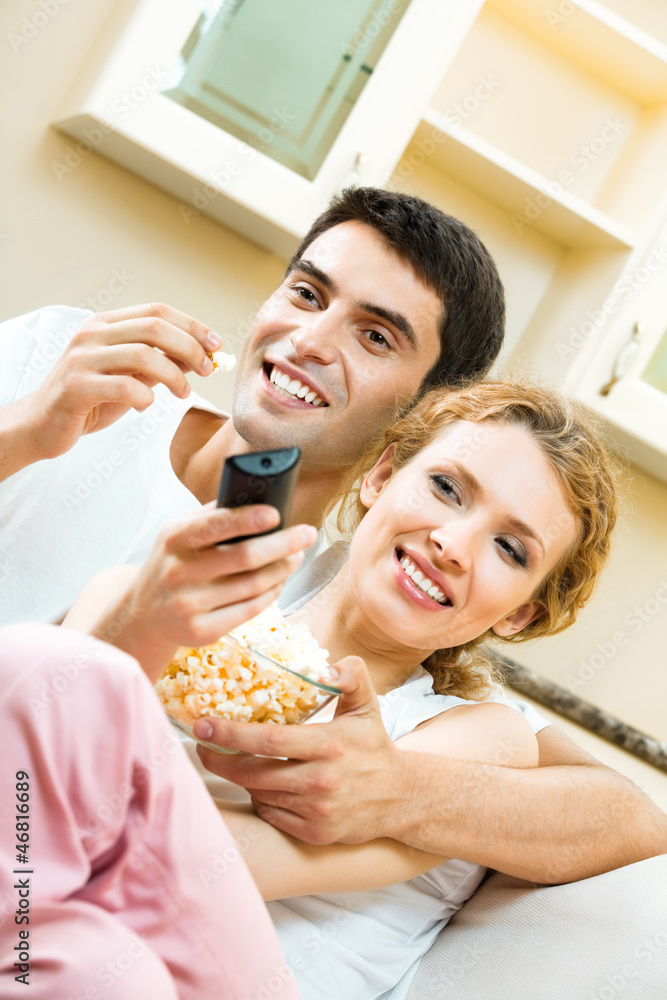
[338,623]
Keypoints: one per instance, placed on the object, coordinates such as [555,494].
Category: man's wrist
[413,797]
[18,438]
[403,803]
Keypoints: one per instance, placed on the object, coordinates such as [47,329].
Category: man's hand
[192,590]
[338,784]
[111,366]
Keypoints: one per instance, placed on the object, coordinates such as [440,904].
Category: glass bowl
[266,690]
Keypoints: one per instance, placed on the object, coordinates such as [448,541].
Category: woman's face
[480,514]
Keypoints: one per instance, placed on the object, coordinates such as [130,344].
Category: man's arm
[108,367]
[568,819]
[284,866]
[345,781]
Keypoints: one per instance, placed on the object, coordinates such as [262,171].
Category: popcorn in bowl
[266,670]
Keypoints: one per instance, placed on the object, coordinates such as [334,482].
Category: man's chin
[264,430]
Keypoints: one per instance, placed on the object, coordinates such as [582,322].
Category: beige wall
[64,240]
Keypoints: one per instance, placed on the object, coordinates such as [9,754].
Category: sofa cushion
[601,938]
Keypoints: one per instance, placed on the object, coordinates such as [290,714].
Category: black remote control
[260,477]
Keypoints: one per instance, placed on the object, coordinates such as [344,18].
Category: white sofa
[603,938]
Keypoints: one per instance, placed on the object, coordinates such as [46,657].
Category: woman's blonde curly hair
[588,474]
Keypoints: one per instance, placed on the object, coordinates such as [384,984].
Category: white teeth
[294,387]
[422,581]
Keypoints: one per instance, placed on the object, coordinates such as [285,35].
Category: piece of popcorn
[224,680]
[225,362]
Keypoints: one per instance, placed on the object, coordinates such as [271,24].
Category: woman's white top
[367,945]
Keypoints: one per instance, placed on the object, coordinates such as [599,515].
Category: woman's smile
[417,583]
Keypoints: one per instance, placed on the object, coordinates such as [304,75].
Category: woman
[488,514]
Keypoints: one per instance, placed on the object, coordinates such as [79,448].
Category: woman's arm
[192,589]
[283,866]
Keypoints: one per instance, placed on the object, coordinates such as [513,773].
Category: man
[356,319]
[384,297]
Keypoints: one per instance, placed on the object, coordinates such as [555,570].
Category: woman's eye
[445,485]
[515,552]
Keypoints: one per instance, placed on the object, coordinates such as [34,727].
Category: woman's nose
[455,543]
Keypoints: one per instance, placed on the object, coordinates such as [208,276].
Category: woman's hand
[192,589]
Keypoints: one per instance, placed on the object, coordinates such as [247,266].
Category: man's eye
[304,293]
[378,338]
[514,551]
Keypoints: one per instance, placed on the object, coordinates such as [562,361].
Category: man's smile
[286,385]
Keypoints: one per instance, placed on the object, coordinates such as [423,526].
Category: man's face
[351,332]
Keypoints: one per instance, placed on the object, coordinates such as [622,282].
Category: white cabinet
[228,178]
[622,370]
[548,134]
[541,123]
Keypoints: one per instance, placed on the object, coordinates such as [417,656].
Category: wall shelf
[533,200]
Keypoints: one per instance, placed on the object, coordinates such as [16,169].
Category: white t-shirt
[100,504]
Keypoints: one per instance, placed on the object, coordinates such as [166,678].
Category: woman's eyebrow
[525,529]
[395,319]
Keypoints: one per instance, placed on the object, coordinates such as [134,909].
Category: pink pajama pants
[133,886]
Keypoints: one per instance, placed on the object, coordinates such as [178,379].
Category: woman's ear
[375,481]
[519,619]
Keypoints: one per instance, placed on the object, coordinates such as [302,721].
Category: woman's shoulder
[487,731]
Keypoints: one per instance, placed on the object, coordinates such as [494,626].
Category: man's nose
[316,339]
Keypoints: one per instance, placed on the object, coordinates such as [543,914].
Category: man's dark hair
[449,258]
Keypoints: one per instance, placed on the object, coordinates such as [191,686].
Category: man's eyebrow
[477,490]
[395,319]
[307,267]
